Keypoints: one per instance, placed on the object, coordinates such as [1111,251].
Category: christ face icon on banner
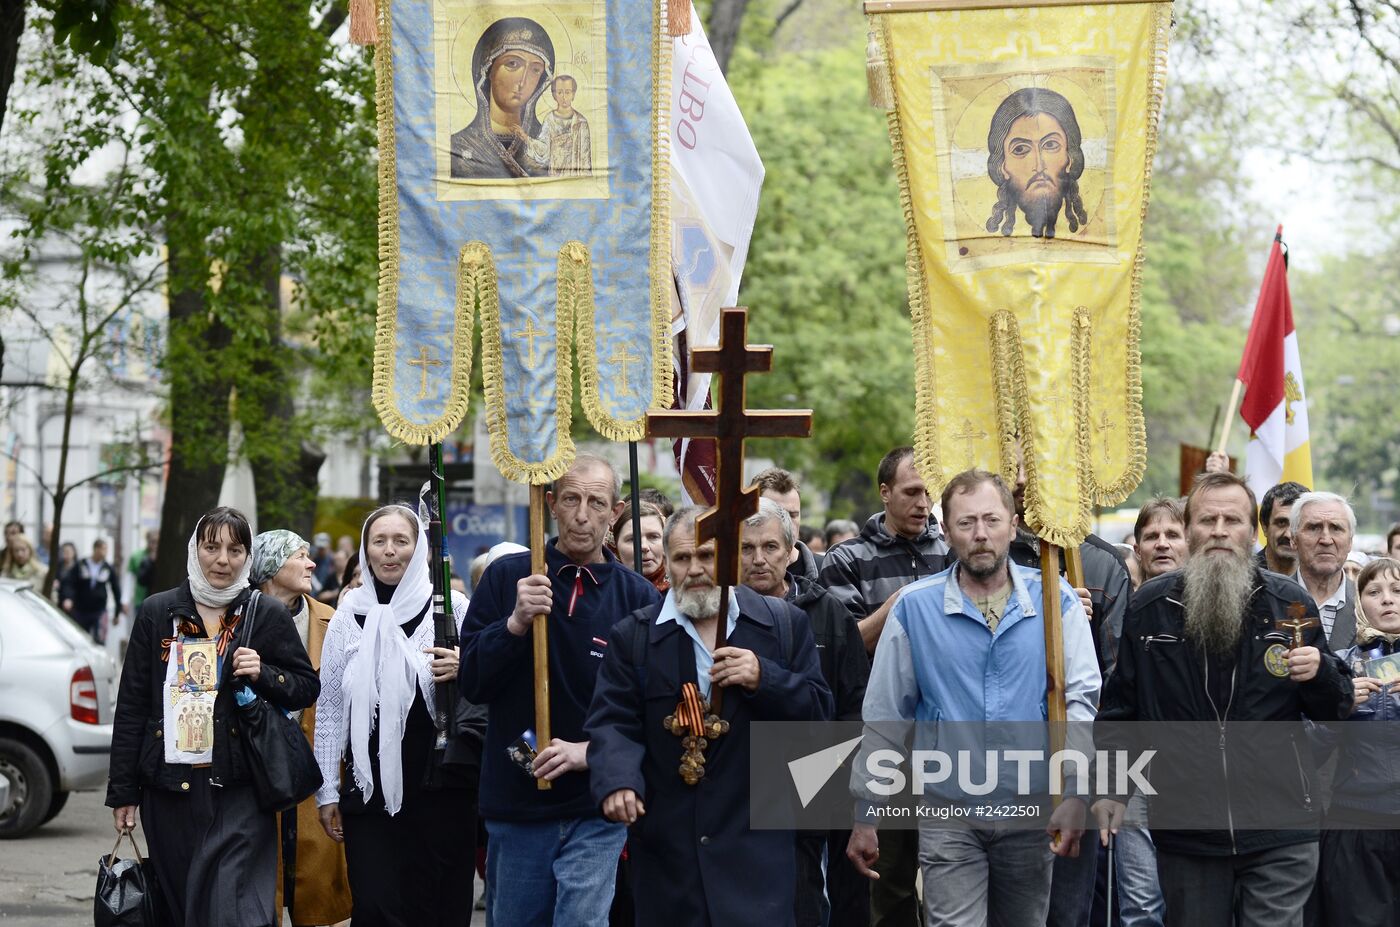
[1035,156]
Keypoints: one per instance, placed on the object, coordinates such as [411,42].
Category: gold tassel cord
[364,22]
[678,14]
[877,74]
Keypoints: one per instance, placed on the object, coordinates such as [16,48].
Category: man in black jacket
[84,591]
[770,568]
[1207,644]
[897,546]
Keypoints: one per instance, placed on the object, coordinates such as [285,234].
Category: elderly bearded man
[968,645]
[695,861]
[770,567]
[1201,644]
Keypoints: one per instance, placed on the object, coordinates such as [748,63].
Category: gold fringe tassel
[364,22]
[877,72]
[511,466]
[1120,489]
[382,392]
[1015,422]
[678,14]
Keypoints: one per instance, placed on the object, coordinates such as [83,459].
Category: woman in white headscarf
[176,751]
[407,821]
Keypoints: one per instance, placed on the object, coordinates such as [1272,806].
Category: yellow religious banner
[1023,138]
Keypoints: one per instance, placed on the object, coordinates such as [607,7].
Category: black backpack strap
[249,610]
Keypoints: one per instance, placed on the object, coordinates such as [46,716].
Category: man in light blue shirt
[968,645]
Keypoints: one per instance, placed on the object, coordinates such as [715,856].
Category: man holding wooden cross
[695,860]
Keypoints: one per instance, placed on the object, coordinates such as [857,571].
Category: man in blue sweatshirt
[551,857]
[968,645]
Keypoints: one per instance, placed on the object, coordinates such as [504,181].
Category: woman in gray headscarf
[511,67]
[282,568]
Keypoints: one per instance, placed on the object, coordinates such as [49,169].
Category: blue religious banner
[523,182]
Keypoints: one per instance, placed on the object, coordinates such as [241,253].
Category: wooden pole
[721,640]
[540,629]
[1054,648]
[1231,409]
[1074,567]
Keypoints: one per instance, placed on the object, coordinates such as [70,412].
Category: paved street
[47,878]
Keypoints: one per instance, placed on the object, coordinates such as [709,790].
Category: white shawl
[384,670]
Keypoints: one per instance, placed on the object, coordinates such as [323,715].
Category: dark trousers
[413,869]
[894,901]
[1072,885]
[1263,889]
[841,896]
[1357,876]
[90,622]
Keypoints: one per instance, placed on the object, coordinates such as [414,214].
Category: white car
[58,694]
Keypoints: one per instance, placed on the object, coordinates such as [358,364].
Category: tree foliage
[825,276]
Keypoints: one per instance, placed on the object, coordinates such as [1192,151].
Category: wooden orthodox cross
[729,424]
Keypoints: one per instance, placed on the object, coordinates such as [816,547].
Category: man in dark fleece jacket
[552,857]
[896,547]
[1207,643]
[770,568]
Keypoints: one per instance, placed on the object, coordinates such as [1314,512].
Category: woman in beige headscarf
[282,568]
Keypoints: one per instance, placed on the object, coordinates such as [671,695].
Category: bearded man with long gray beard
[1214,642]
[695,862]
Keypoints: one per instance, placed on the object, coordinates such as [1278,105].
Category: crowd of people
[637,808]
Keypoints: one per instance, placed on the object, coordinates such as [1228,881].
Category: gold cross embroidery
[423,362]
[529,333]
[970,436]
[622,357]
[1103,428]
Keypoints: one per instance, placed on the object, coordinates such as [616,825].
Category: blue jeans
[976,878]
[1139,895]
[1135,857]
[552,872]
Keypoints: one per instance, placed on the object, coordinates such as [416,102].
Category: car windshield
[65,627]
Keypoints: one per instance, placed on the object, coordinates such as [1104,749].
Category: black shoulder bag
[280,760]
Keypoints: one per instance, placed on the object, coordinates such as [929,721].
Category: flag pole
[1231,409]
[636,506]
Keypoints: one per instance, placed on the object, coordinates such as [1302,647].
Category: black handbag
[280,760]
[126,890]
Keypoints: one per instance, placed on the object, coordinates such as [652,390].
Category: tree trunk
[60,492]
[285,468]
[11,29]
[726,16]
[199,406]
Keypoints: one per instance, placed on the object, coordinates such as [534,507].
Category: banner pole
[1230,410]
[540,628]
[444,621]
[636,506]
[1056,712]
